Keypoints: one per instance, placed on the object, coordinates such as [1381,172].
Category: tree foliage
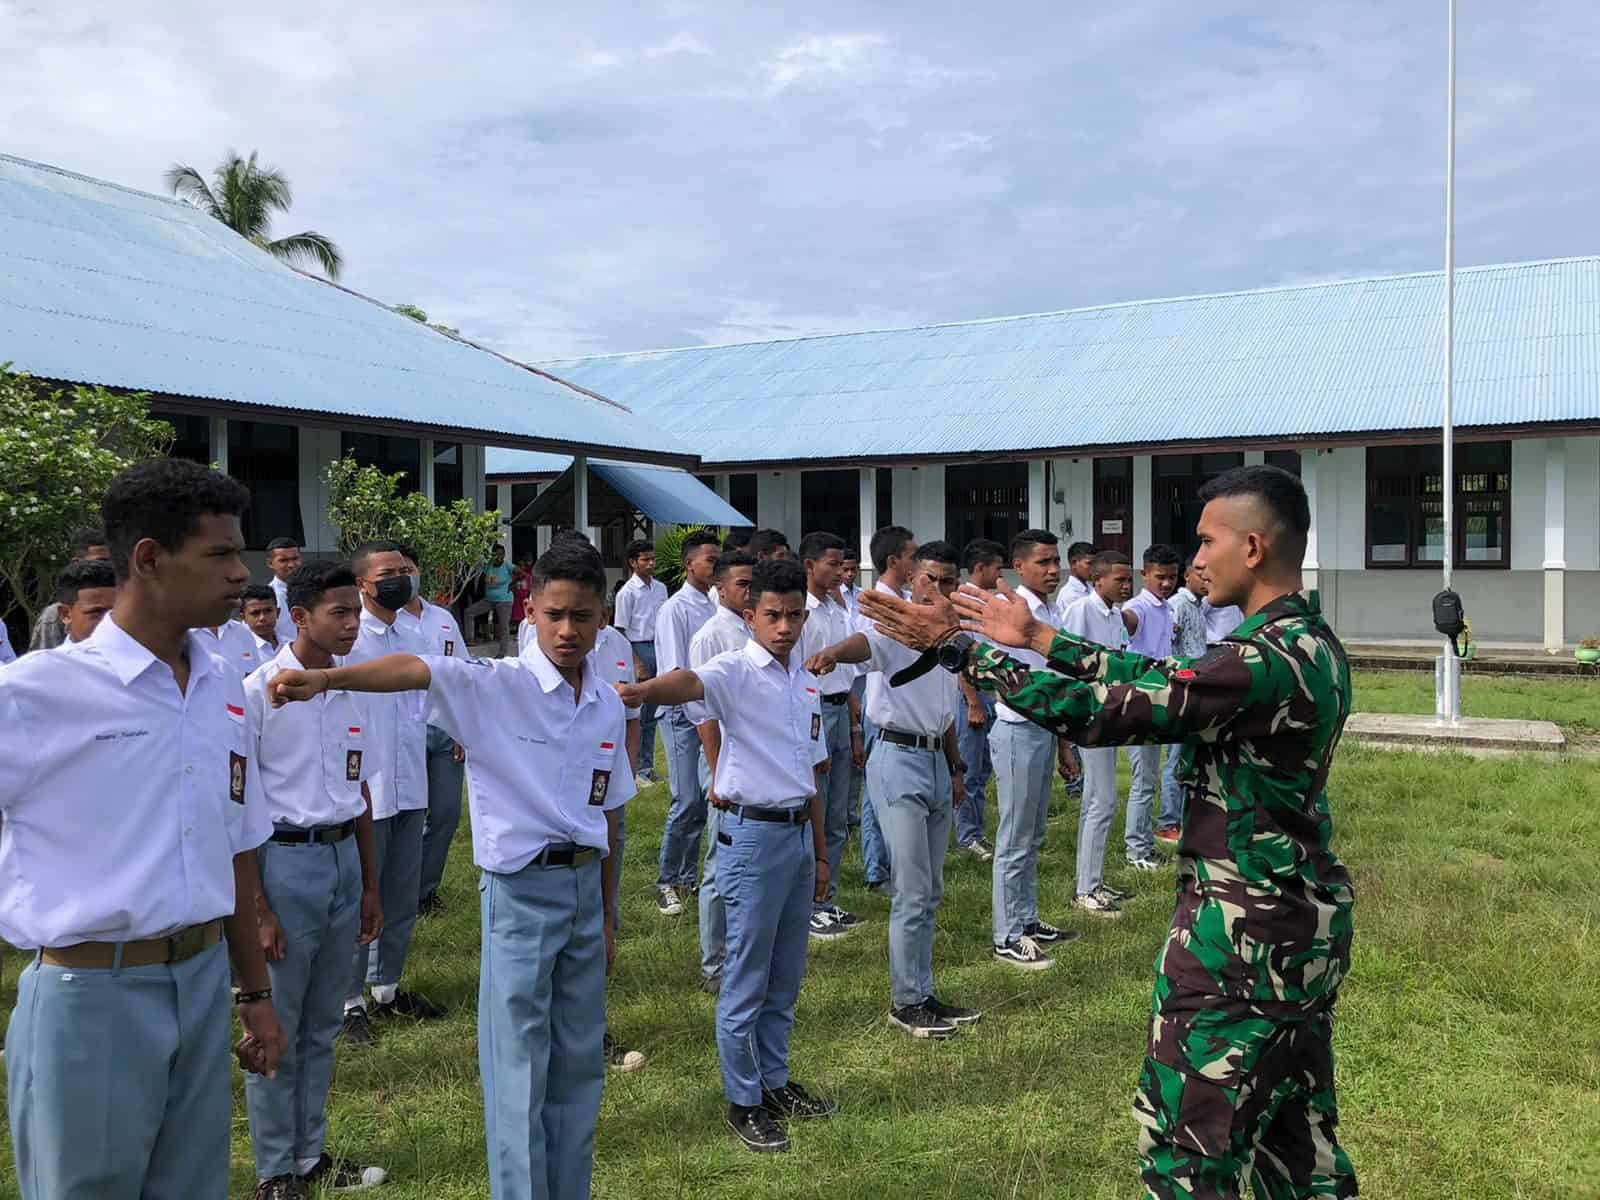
[421,317]
[669,554]
[59,449]
[451,540]
[244,197]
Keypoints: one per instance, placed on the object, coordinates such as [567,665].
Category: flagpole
[1452,667]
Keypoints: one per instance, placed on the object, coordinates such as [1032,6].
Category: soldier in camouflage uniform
[1238,1077]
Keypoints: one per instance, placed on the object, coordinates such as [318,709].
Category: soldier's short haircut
[1080,550]
[1162,555]
[1022,545]
[1107,561]
[982,550]
[1274,487]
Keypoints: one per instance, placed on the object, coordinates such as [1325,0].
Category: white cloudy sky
[572,178]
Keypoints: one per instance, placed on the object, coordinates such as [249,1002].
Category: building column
[425,482]
[1142,516]
[1555,544]
[219,443]
[1038,498]
[1308,477]
[868,487]
[580,496]
[721,485]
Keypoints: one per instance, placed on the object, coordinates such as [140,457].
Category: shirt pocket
[600,777]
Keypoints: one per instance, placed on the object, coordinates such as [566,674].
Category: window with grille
[1406,499]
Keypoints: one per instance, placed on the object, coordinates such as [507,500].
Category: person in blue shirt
[496,599]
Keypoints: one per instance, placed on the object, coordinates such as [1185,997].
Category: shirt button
[189,770]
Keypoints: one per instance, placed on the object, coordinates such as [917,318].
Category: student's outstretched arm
[675,687]
[854,649]
[392,673]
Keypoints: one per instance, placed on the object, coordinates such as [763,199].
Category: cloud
[822,58]
[678,43]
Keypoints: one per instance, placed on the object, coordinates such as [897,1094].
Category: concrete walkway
[1473,735]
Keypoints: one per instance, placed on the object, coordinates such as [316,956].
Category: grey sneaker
[979,850]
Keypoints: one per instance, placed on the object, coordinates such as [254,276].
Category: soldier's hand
[371,917]
[920,626]
[288,686]
[273,944]
[1000,616]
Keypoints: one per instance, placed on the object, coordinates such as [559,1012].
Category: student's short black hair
[776,575]
[498,546]
[282,543]
[409,553]
[737,539]
[891,540]
[258,591]
[85,573]
[1162,555]
[576,536]
[982,550]
[311,582]
[852,552]
[162,498]
[358,560]
[1080,550]
[635,549]
[700,537]
[815,546]
[729,559]
[939,551]
[1273,486]
[1022,545]
[573,563]
[85,537]
[1105,561]
[765,541]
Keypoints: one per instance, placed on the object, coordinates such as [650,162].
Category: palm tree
[244,197]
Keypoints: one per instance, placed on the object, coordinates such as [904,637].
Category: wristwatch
[953,652]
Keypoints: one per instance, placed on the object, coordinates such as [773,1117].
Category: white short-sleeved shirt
[1093,620]
[1073,590]
[312,756]
[925,706]
[725,631]
[1153,638]
[827,624]
[543,764]
[286,629]
[637,606]
[678,621]
[125,800]
[612,656]
[771,726]
[438,629]
[235,643]
[1044,611]
[398,777]
[7,654]
[1220,622]
[266,651]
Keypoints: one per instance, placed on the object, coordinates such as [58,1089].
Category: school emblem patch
[235,777]
[449,647]
[599,784]
[352,765]
[816,726]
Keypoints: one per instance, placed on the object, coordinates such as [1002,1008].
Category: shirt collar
[131,659]
[549,676]
[762,657]
[1104,609]
[375,624]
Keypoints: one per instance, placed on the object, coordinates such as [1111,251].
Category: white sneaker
[979,850]
[1098,904]
[1148,863]
[668,902]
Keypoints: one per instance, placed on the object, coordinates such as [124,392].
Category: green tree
[244,197]
[669,554]
[416,314]
[59,449]
[451,540]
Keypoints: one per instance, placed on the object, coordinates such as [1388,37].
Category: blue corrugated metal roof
[103,284]
[663,494]
[1297,362]
[497,460]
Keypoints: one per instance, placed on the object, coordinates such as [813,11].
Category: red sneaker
[1169,836]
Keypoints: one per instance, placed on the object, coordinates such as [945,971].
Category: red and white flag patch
[234,709]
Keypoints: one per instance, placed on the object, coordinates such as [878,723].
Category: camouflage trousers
[1228,1092]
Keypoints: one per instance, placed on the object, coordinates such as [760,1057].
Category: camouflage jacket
[1264,904]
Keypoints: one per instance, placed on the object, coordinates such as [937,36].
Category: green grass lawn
[1468,1042]
[1572,702]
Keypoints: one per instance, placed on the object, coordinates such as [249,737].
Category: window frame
[1422,466]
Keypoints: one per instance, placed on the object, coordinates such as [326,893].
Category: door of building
[1113,505]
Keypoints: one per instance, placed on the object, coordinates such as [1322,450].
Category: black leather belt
[289,836]
[778,816]
[838,698]
[564,856]
[917,741]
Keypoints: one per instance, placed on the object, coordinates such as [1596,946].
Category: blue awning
[665,495]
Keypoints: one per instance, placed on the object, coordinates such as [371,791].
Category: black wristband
[252,997]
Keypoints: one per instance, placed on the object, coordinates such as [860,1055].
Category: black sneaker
[952,1013]
[1023,952]
[877,885]
[844,917]
[619,1058]
[280,1187]
[411,1004]
[756,1128]
[792,1102]
[357,1028]
[711,985]
[1047,934]
[824,926]
[430,906]
[920,1021]
[339,1176]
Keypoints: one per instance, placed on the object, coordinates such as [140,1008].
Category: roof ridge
[1272,289]
[105,183]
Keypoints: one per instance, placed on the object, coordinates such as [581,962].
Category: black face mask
[394,593]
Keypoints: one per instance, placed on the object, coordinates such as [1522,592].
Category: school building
[1102,423]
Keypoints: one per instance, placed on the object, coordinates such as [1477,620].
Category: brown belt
[180,947]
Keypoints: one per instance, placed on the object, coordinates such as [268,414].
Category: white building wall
[1072,499]
[778,502]
[1527,504]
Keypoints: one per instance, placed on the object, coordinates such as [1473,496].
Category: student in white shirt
[234,642]
[546,772]
[319,882]
[1188,641]
[1098,618]
[439,633]
[1079,575]
[770,866]
[828,623]
[1149,620]
[725,631]
[48,632]
[398,782]
[894,551]
[132,815]
[1024,755]
[85,592]
[917,776]
[283,560]
[258,611]
[638,603]
[678,620]
[984,561]
[849,573]
[1220,622]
